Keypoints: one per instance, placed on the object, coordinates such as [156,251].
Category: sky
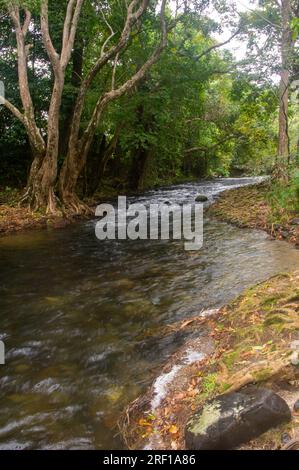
[237,47]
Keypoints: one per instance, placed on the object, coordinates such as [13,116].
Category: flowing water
[82,319]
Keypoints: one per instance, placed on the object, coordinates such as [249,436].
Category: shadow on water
[81,319]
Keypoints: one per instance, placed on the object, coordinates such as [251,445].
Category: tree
[79,145]
[43,173]
[45,147]
[286,46]
[274,52]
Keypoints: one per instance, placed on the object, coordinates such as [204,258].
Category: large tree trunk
[286,45]
[68,108]
[68,178]
[42,188]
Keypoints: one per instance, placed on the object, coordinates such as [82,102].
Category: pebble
[295,358]
[285,438]
[295,345]
[296,407]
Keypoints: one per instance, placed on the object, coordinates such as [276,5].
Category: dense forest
[136,95]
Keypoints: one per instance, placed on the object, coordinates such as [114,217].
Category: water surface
[81,319]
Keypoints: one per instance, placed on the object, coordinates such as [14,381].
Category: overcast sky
[236,46]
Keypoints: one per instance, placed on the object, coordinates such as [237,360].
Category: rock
[295,345]
[285,234]
[285,438]
[201,198]
[294,222]
[296,407]
[235,418]
[295,358]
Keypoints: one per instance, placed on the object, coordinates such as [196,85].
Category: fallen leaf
[173,429]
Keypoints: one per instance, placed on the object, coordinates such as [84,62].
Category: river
[81,319]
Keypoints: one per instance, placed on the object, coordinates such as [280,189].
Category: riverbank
[259,207]
[249,342]
[15,218]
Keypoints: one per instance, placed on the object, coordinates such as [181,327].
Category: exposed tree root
[252,373]
[72,205]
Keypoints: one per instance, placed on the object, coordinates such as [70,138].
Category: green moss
[271,301]
[201,423]
[230,358]
[273,320]
[209,385]
[263,374]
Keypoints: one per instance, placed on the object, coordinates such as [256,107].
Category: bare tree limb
[128,85]
[27,22]
[51,51]
[13,109]
[28,118]
[69,44]
[218,45]
[112,33]
[131,18]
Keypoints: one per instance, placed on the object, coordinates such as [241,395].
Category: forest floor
[16,219]
[259,207]
[247,342]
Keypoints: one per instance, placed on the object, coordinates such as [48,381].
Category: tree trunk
[42,185]
[286,45]
[68,178]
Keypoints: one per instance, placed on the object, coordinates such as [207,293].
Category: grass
[284,200]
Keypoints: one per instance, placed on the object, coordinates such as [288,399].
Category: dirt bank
[251,207]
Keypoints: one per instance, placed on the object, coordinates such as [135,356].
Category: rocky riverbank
[253,207]
[249,343]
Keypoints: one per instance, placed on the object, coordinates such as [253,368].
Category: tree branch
[68,40]
[15,111]
[132,17]
[51,51]
[212,147]
[26,22]
[216,46]
[128,85]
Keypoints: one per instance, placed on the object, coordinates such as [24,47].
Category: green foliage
[295,27]
[284,199]
[188,118]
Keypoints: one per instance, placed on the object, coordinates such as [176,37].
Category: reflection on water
[81,319]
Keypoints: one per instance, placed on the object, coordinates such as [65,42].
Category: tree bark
[286,45]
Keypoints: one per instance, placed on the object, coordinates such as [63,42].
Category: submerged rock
[201,198]
[296,407]
[235,418]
